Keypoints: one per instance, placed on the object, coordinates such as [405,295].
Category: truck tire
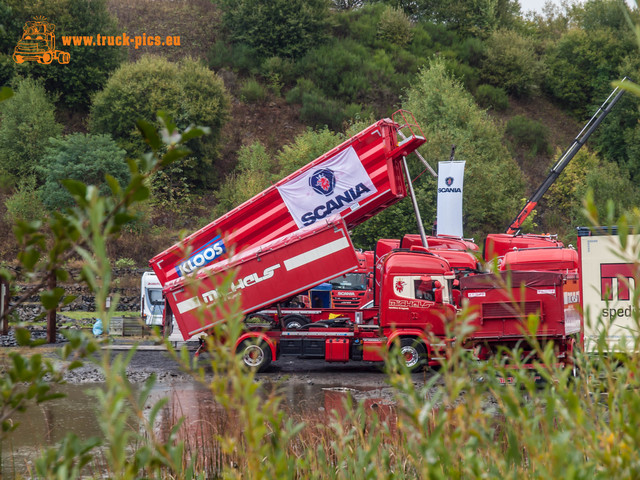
[413,353]
[46,58]
[255,354]
[294,321]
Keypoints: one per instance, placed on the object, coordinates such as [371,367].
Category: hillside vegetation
[281,82]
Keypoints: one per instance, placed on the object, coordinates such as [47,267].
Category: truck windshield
[350,281]
[155,296]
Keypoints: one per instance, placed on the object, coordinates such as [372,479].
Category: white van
[152,307]
[151,301]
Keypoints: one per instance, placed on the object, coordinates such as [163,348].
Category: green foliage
[589,172]
[83,157]
[27,124]
[125,263]
[284,28]
[89,67]
[478,18]
[319,111]
[241,58]
[187,91]
[339,69]
[511,63]
[24,204]
[489,96]
[305,148]
[252,92]
[280,71]
[529,133]
[449,116]
[395,27]
[251,177]
[581,66]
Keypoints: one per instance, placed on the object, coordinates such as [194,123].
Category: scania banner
[341,182]
[450,188]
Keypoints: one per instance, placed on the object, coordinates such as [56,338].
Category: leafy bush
[252,176]
[511,63]
[278,72]
[581,66]
[125,263]
[395,27]
[303,85]
[489,96]
[588,171]
[530,133]
[24,204]
[284,28]
[340,69]
[305,148]
[187,91]
[89,67]
[251,91]
[87,158]
[469,76]
[241,58]
[318,111]
[28,122]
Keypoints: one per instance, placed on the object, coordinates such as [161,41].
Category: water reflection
[45,425]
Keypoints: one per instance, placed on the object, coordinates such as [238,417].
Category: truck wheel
[294,322]
[45,58]
[63,58]
[413,353]
[18,58]
[256,354]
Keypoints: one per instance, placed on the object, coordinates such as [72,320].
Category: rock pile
[36,334]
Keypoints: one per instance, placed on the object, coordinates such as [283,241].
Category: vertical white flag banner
[450,188]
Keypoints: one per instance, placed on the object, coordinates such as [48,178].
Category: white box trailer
[608,275]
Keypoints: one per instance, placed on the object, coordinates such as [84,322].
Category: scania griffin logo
[323,182]
[449,181]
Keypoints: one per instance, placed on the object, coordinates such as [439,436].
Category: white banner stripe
[188,305]
[316,254]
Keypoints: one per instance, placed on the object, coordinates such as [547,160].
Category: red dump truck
[357,179]
[277,256]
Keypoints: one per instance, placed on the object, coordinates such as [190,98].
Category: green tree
[82,157]
[284,28]
[187,91]
[581,66]
[477,17]
[449,116]
[28,122]
[252,176]
[305,148]
[24,204]
[588,171]
[395,27]
[89,67]
[511,63]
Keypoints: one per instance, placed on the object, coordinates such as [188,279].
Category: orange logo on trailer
[38,43]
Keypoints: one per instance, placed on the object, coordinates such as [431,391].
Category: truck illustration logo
[622,273]
[39,43]
[323,181]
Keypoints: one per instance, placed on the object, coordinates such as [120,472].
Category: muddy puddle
[47,424]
